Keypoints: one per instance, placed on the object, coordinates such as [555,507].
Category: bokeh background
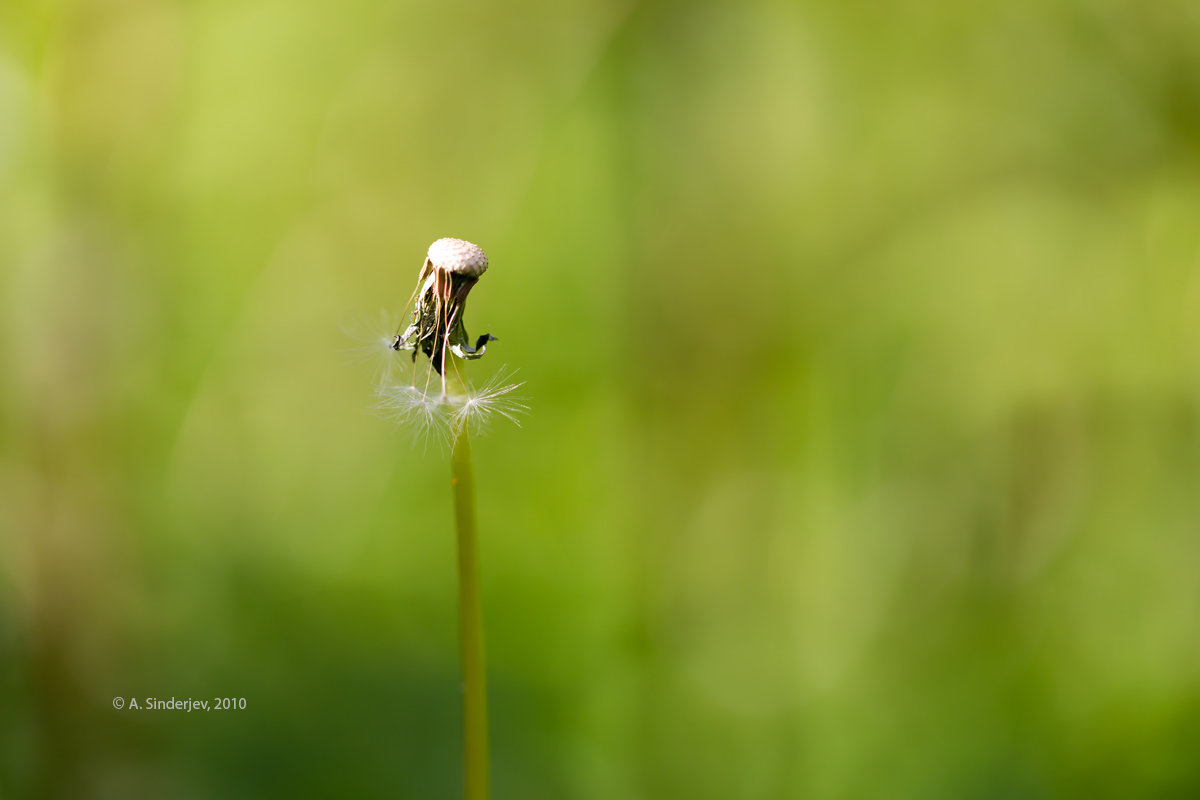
[862,343]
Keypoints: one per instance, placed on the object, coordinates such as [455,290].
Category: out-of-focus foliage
[863,346]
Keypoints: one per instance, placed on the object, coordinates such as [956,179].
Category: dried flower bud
[458,256]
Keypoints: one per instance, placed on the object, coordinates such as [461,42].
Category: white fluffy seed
[458,255]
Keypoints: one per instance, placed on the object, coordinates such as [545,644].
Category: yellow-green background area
[862,342]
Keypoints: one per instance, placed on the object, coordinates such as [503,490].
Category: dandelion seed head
[436,401]
[458,255]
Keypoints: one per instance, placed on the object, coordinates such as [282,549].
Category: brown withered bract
[452,267]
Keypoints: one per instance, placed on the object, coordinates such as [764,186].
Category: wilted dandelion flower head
[437,405]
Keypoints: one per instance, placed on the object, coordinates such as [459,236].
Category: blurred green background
[862,343]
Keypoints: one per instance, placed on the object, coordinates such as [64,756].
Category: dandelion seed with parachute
[375,339]
[425,413]
[474,407]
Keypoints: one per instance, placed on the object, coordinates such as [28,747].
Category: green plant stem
[470,624]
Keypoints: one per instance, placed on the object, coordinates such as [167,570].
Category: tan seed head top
[458,255]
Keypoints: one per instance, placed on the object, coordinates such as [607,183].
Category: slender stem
[470,624]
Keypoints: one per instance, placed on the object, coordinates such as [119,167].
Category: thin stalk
[470,624]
